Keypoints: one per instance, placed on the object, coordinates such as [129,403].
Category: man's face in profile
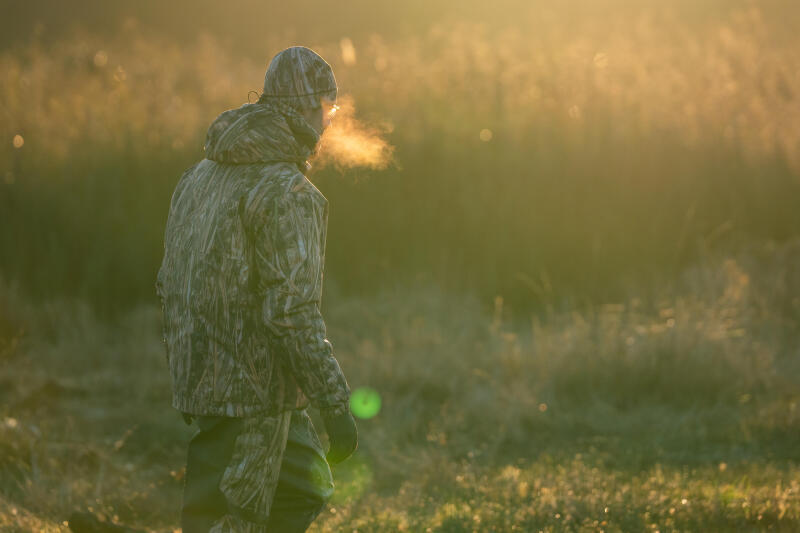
[320,117]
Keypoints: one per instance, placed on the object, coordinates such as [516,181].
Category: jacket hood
[256,133]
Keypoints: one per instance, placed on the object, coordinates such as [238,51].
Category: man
[240,286]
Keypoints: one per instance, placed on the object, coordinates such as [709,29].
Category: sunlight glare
[100,59]
[348,51]
[600,60]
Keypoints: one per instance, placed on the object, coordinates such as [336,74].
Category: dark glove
[342,434]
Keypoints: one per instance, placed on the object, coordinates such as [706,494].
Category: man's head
[300,78]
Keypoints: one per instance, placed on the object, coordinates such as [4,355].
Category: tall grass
[677,411]
[551,165]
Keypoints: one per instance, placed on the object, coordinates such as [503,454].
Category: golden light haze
[615,133]
[563,248]
[732,82]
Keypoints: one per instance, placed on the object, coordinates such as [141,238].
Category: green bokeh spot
[365,402]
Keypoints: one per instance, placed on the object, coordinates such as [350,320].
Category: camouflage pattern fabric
[250,480]
[240,286]
[299,77]
[241,278]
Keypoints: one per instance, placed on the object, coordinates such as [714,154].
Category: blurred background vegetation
[548,155]
[576,286]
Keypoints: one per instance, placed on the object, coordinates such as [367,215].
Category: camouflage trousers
[255,475]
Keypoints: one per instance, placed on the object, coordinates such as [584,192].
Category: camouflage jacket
[241,279]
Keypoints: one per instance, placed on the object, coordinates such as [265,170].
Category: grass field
[563,246]
[673,413]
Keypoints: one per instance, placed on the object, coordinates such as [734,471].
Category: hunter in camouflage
[240,286]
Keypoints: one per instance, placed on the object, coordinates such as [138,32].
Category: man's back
[243,223]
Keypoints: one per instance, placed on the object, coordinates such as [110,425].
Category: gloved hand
[342,434]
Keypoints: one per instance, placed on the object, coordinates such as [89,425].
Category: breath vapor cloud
[349,143]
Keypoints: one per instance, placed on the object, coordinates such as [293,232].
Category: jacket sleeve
[289,257]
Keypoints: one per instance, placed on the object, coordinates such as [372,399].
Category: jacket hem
[230,409]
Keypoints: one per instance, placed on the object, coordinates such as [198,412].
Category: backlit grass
[677,412]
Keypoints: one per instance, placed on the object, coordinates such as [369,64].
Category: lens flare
[365,402]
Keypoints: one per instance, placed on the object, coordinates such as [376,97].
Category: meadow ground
[624,175]
[672,413]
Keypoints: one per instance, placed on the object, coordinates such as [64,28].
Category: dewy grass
[487,423]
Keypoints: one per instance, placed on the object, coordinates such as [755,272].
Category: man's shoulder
[282,186]
[300,187]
